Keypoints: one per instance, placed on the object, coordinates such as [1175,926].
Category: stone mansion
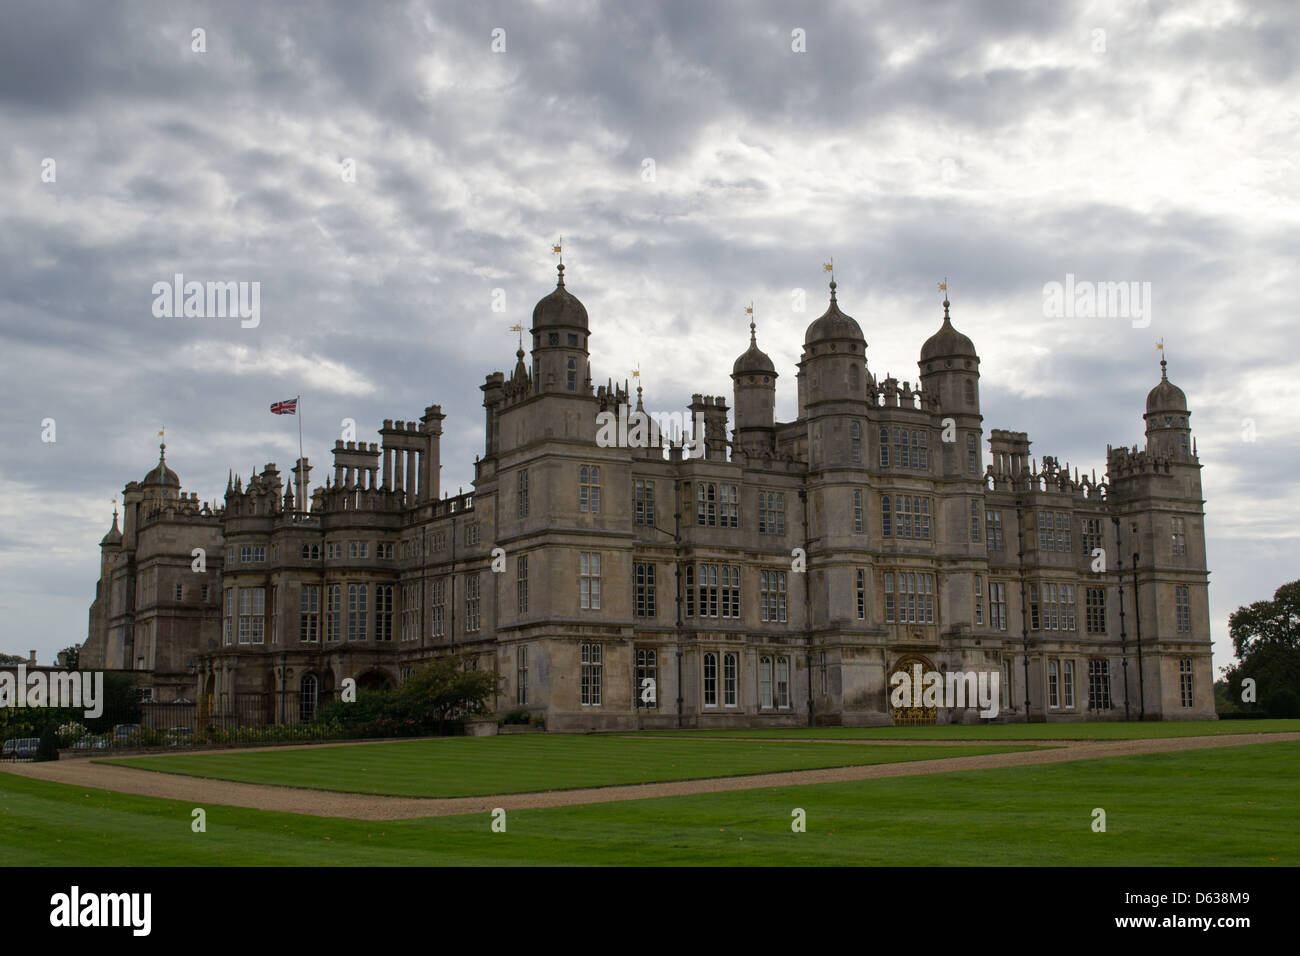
[777,577]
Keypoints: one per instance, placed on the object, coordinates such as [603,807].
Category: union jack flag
[289,407]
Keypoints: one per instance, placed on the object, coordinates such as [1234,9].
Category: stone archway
[911,716]
[374,680]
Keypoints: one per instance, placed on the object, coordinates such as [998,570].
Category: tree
[1266,638]
[70,657]
[14,659]
[445,689]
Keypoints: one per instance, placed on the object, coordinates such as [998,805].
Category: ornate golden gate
[904,716]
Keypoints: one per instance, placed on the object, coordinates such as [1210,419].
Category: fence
[248,719]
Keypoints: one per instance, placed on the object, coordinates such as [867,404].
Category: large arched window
[855,440]
[710,680]
[573,375]
[729,682]
[970,392]
[855,381]
[307,699]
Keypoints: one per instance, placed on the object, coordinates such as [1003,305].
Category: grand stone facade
[777,579]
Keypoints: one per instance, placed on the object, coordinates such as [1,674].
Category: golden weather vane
[558,249]
[520,329]
[829,267]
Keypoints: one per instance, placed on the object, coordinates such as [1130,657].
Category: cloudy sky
[695,157]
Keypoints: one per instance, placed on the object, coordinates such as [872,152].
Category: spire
[230,481]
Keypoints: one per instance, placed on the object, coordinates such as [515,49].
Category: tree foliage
[440,691]
[1266,638]
[1274,623]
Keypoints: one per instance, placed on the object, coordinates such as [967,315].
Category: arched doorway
[911,715]
[374,680]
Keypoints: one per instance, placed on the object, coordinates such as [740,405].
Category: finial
[749,311]
[943,287]
[558,250]
[830,267]
[1163,363]
[520,329]
[560,282]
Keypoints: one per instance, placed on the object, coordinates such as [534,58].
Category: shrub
[48,748]
[1284,703]
[70,733]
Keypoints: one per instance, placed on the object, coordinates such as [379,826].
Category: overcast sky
[694,158]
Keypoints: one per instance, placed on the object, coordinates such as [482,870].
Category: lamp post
[1137,624]
[1024,625]
[1123,631]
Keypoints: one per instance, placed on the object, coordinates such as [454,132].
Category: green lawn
[472,766]
[1230,807]
[995,732]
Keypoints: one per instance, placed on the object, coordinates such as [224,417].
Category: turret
[950,372]
[835,365]
[560,353]
[1168,433]
[753,378]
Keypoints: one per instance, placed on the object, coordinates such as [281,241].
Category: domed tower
[753,378]
[950,371]
[560,334]
[834,367]
[162,482]
[1168,433]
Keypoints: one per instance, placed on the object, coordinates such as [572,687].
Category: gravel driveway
[196,790]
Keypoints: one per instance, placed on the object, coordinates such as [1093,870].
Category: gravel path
[85,773]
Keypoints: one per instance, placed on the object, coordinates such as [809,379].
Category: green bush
[48,748]
[1284,703]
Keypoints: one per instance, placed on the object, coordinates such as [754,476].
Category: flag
[827,267]
[288,407]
